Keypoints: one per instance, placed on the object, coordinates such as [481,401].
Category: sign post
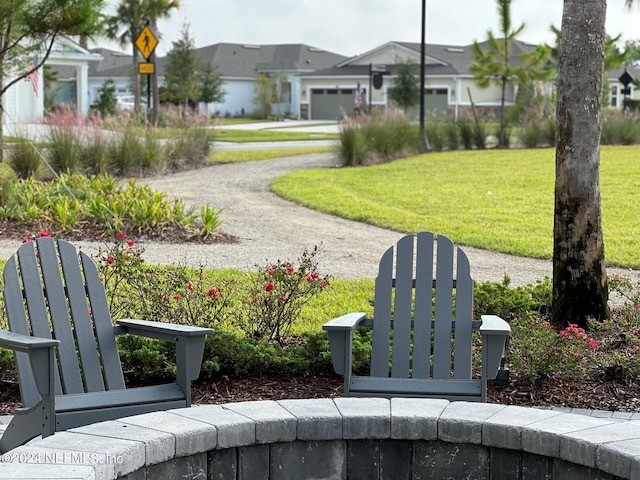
[146,43]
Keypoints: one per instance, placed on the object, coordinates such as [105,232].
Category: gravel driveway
[270,228]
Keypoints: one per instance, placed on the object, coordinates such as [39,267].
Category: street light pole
[423,134]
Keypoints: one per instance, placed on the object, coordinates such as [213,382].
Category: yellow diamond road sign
[146,42]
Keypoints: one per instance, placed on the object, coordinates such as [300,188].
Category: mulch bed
[578,393]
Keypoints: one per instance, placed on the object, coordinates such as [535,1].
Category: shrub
[24,158]
[277,293]
[127,152]
[467,134]
[526,301]
[452,135]
[368,139]
[435,136]
[532,135]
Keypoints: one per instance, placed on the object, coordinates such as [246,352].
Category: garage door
[435,102]
[331,103]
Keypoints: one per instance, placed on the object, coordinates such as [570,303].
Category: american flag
[34,78]
[358,98]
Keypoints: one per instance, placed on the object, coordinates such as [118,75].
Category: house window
[613,98]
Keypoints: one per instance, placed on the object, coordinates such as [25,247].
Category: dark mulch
[578,393]
[94,231]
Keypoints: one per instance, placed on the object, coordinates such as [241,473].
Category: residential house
[450,89]
[238,64]
[24,101]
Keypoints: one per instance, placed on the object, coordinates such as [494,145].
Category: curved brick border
[324,438]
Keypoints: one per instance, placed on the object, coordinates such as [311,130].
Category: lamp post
[423,134]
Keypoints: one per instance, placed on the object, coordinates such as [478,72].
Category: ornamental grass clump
[277,294]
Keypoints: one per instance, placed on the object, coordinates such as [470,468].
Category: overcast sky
[351,27]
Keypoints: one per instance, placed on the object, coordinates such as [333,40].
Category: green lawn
[495,199]
[232,135]
[234,156]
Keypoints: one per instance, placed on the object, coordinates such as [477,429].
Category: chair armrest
[161,330]
[189,346]
[340,333]
[348,322]
[494,325]
[495,337]
[25,343]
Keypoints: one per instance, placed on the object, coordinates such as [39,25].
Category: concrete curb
[294,439]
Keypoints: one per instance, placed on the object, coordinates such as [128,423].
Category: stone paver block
[273,422]
[302,459]
[581,446]
[318,419]
[192,467]
[416,418]
[504,429]
[21,471]
[223,464]
[542,437]
[616,457]
[110,458]
[462,421]
[365,418]
[395,459]
[253,462]
[443,460]
[159,446]
[191,436]
[234,430]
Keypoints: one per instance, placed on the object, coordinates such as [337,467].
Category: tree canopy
[495,62]
[29,29]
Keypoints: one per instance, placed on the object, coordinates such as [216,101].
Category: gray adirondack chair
[422,332]
[67,360]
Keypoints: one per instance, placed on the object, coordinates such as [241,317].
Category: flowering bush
[278,293]
[174,294]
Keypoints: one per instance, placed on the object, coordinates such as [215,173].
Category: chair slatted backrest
[48,294]
[405,320]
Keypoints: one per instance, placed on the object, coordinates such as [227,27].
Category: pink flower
[282,298]
[271,271]
[290,269]
[190,287]
[177,297]
[121,235]
[43,233]
[269,287]
[109,259]
[131,243]
[213,293]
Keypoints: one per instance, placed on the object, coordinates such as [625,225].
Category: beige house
[449,89]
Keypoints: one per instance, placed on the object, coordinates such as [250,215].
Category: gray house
[238,64]
[449,89]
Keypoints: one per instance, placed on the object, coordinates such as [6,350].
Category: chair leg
[26,424]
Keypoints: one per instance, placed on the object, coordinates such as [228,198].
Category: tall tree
[124,27]
[182,71]
[263,95]
[211,85]
[497,64]
[405,91]
[157,10]
[579,273]
[28,31]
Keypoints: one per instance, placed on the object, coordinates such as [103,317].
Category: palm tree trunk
[579,273]
[134,73]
